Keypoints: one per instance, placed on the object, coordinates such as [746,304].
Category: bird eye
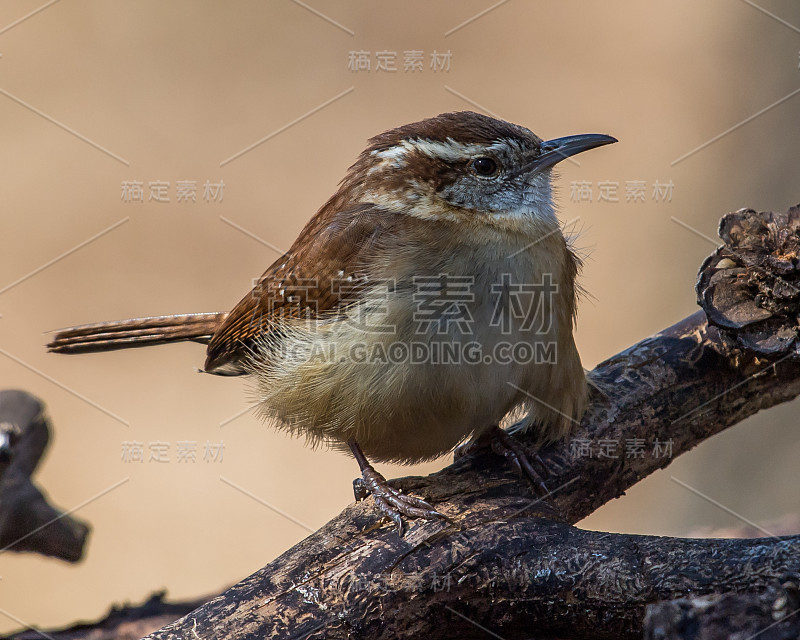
[485,166]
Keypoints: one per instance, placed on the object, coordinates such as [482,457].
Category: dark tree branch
[509,569]
[27,521]
[126,622]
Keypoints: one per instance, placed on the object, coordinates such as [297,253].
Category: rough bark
[27,521]
[771,615]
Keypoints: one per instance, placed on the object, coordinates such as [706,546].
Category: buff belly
[335,380]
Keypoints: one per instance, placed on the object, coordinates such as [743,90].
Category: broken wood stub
[27,521]
[750,286]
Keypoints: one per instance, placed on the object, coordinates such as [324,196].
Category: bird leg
[391,502]
[504,444]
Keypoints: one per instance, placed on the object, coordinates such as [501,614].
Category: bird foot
[500,442]
[391,502]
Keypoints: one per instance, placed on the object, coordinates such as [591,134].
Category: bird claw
[500,442]
[393,503]
[503,444]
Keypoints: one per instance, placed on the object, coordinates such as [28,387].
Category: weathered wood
[750,286]
[771,615]
[519,578]
[27,521]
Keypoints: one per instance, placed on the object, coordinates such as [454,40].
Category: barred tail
[137,332]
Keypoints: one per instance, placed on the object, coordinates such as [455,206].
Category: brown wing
[323,269]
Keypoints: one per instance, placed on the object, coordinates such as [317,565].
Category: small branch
[123,622]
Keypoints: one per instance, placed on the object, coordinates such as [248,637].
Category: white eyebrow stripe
[449,150]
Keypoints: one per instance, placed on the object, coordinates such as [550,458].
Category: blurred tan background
[152,91]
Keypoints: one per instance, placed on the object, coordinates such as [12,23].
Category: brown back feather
[323,269]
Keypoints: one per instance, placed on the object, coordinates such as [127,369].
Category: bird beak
[554,151]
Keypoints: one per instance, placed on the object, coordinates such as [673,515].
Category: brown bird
[432,296]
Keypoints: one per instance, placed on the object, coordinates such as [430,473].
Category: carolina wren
[430,297]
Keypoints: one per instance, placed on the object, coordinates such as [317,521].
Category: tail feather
[136,332]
